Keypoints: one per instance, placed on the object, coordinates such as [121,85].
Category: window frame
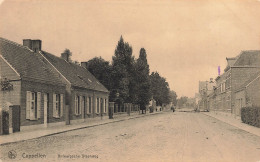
[77,105]
[33,105]
[89,105]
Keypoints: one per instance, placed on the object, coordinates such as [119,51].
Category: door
[46,100]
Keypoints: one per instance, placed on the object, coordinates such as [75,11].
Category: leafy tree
[143,84]
[67,54]
[160,89]
[101,69]
[173,97]
[181,101]
[122,70]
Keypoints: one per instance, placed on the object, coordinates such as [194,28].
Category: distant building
[205,88]
[191,102]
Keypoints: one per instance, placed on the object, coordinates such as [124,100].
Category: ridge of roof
[16,44]
[230,58]
[78,75]
[27,63]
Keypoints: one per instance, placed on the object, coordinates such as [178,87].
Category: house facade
[248,94]
[238,71]
[85,96]
[50,90]
[223,91]
[35,87]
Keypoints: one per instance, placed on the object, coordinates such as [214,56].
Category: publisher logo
[12,154]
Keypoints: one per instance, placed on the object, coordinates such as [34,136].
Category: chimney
[218,70]
[84,64]
[65,56]
[35,45]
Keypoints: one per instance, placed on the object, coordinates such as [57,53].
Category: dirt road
[179,136]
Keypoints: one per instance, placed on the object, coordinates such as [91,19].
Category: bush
[251,115]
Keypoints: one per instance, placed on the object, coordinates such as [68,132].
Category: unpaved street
[179,136]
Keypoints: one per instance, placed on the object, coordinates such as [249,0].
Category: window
[97,108]
[83,105]
[77,105]
[57,105]
[89,105]
[101,105]
[33,105]
[223,87]
[105,109]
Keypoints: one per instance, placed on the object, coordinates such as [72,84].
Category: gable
[6,71]
[28,64]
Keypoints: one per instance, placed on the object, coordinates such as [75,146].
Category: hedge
[251,115]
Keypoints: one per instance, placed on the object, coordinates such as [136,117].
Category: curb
[89,126]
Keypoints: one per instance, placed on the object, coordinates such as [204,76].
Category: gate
[15,117]
[5,122]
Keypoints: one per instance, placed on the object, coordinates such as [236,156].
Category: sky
[185,40]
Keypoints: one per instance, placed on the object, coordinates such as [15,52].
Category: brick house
[223,88]
[248,94]
[239,69]
[34,86]
[86,97]
[211,99]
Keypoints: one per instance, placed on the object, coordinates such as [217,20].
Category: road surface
[178,136]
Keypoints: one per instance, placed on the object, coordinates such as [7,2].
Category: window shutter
[38,105]
[54,105]
[61,105]
[28,104]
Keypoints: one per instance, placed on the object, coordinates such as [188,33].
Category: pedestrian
[173,109]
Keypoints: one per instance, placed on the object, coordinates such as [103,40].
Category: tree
[101,69]
[67,54]
[160,89]
[122,71]
[143,84]
[181,101]
[173,97]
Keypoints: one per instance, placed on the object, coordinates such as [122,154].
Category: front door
[45,109]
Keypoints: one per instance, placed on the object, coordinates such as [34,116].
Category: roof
[248,58]
[77,75]
[231,61]
[28,64]
[251,79]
